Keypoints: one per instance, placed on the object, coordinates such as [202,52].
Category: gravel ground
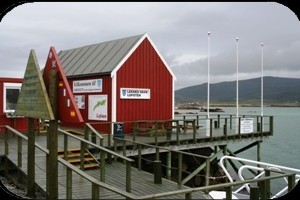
[10,191]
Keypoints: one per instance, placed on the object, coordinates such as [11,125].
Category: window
[10,96]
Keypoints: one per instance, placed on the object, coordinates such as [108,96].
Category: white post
[237,84]
[208,66]
[262,80]
[262,86]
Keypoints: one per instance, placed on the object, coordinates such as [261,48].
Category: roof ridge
[114,40]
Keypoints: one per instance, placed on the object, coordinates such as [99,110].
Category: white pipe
[260,163]
[268,165]
[254,162]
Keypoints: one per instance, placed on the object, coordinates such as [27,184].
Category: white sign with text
[85,86]
[134,93]
[246,125]
[98,107]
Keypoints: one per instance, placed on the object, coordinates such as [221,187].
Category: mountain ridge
[275,90]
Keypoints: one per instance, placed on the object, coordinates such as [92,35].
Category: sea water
[283,148]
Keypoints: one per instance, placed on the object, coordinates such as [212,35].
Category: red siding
[106,89]
[18,123]
[145,69]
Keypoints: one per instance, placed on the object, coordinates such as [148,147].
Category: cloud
[178,29]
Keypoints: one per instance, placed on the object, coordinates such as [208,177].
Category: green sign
[33,100]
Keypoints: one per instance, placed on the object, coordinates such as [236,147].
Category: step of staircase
[73,157]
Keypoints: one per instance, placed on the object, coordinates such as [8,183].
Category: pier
[119,173]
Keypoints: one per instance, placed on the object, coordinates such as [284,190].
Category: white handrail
[261,168]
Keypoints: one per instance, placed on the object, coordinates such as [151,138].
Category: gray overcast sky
[179,31]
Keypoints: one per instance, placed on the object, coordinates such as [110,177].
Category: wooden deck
[142,182]
[116,174]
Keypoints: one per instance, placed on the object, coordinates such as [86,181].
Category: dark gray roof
[98,58]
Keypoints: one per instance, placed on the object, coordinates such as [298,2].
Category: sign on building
[134,93]
[98,107]
[246,125]
[85,86]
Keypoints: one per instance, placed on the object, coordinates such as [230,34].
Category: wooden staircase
[74,158]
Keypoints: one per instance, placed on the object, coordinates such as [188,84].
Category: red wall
[106,89]
[18,123]
[144,69]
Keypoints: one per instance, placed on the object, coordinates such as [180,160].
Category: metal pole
[237,84]
[208,66]
[262,80]
[237,77]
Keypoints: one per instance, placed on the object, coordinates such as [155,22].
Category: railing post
[230,122]
[267,183]
[31,159]
[197,120]
[115,148]
[108,138]
[177,138]
[109,156]
[95,191]
[69,184]
[124,149]
[102,166]
[262,188]
[207,173]
[179,168]
[228,192]
[19,159]
[291,182]
[157,172]
[194,126]
[139,157]
[128,176]
[155,132]
[82,150]
[225,130]
[65,147]
[188,195]
[210,129]
[254,193]
[6,151]
[169,163]
[261,125]
[271,125]
[157,153]
[218,121]
[225,153]
[239,128]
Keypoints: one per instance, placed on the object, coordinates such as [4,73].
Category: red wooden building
[9,93]
[121,80]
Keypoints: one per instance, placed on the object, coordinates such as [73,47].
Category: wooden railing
[227,127]
[96,184]
[254,194]
[159,149]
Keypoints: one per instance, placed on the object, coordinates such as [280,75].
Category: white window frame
[9,86]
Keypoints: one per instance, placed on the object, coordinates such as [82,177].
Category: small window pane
[11,98]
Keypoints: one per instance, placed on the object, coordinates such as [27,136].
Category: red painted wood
[65,113]
[19,124]
[106,89]
[144,69]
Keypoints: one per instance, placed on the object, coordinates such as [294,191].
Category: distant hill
[276,89]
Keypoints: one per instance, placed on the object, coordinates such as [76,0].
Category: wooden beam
[31,159]
[246,147]
[52,163]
